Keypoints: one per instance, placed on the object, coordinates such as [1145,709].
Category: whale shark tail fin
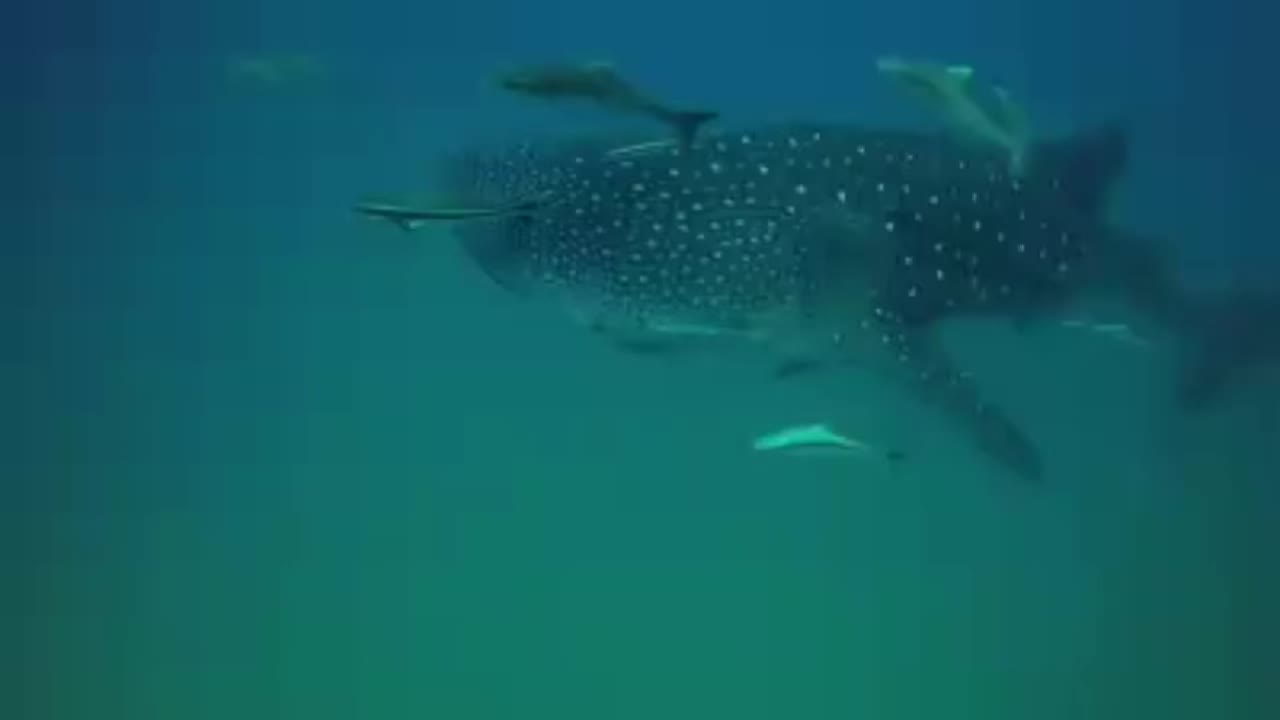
[1232,337]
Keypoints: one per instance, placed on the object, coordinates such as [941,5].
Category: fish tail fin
[945,83]
[1084,165]
[1013,117]
[1221,338]
[390,213]
[688,123]
[1013,120]
[408,225]
[1231,338]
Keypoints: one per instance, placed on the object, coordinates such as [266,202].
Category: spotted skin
[858,241]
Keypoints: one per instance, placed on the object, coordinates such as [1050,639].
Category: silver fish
[600,83]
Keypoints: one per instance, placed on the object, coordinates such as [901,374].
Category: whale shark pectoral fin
[498,247]
[925,368]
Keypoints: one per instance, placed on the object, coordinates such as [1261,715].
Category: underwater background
[263,458]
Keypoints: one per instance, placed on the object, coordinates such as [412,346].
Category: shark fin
[1231,338]
[915,359]
[1012,117]
[687,123]
[499,247]
[959,398]
[1084,166]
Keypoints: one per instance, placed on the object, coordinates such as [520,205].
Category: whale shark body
[823,243]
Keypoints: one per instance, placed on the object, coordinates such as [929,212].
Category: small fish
[600,83]
[661,337]
[1115,331]
[409,218]
[810,440]
[639,149]
[949,89]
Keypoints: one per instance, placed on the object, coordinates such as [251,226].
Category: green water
[264,460]
[375,487]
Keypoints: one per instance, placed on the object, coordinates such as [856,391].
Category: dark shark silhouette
[826,243]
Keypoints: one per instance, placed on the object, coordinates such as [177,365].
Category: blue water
[263,459]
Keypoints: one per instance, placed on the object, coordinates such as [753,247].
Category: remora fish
[411,217]
[950,91]
[811,440]
[849,244]
[600,83]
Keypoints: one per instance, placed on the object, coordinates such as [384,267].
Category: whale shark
[825,244]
